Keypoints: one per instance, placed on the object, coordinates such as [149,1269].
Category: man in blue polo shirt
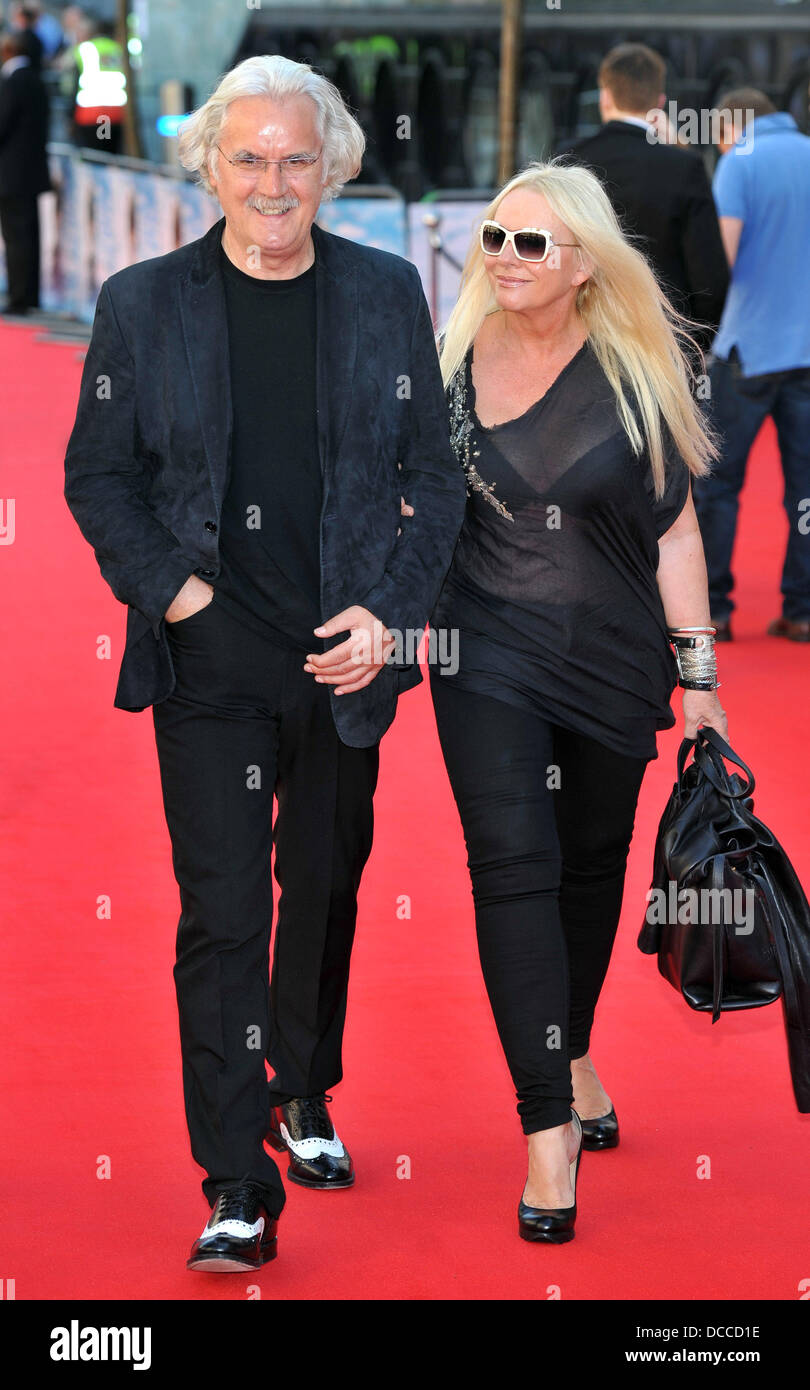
[761,353]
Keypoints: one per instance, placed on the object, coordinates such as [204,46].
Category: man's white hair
[270,75]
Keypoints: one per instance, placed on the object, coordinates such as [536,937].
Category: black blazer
[23,134]
[662,195]
[148,459]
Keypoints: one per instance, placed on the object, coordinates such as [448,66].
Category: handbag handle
[686,747]
[710,749]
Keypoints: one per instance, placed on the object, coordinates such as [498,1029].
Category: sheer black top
[553,581]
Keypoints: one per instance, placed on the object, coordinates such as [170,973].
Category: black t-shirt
[553,581]
[270,522]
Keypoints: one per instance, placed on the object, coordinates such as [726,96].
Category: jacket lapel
[205,331]
[336,308]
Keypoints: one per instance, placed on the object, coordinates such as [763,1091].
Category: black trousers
[19,225]
[547,865]
[737,408]
[245,722]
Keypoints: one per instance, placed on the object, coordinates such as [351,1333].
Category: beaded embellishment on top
[463,440]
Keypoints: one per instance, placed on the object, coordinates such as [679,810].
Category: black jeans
[547,866]
[246,721]
[737,409]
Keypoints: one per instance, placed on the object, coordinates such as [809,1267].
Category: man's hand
[404,510]
[194,595]
[353,663]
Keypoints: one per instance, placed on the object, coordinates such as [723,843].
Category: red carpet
[89,1031]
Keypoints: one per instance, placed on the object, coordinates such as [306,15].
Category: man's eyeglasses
[529,244]
[252,165]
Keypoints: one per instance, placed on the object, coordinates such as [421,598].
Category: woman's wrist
[695,657]
[703,707]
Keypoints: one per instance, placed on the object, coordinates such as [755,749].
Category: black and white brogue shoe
[239,1234]
[317,1156]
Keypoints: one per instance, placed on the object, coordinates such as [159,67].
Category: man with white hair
[267,395]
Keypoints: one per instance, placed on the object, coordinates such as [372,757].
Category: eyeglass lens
[530,245]
[252,164]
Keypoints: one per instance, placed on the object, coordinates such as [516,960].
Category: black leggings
[547,855]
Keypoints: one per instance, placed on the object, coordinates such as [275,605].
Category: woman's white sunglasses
[529,244]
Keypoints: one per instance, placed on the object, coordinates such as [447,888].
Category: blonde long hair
[635,332]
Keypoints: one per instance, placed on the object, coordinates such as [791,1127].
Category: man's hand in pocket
[194,595]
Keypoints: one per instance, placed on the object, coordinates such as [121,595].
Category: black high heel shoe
[553,1224]
[601,1133]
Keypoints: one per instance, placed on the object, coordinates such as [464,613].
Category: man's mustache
[285,204]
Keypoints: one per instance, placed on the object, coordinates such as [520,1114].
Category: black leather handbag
[726,914]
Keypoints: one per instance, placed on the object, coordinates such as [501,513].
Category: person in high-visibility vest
[100,92]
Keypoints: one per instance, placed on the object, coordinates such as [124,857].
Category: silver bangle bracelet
[695,658]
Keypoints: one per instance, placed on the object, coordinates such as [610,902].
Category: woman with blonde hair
[579,567]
